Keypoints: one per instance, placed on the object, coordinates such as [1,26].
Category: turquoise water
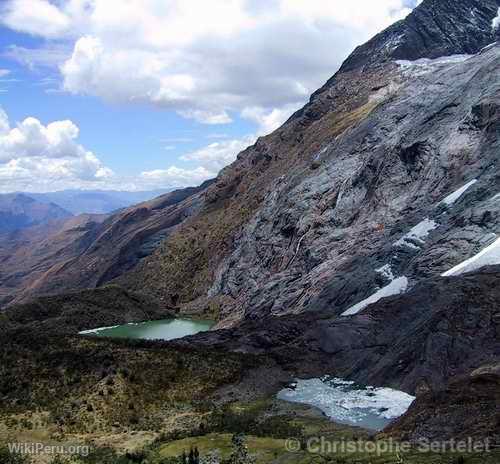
[168,329]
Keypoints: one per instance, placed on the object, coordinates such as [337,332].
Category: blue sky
[139,94]
[129,138]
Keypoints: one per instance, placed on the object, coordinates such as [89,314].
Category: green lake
[168,329]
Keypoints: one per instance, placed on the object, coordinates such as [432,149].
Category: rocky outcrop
[446,414]
[437,28]
[441,329]
[73,312]
[440,342]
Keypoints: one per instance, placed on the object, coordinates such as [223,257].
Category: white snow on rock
[453,197]
[345,402]
[417,234]
[386,271]
[425,65]
[496,22]
[396,287]
[488,47]
[489,256]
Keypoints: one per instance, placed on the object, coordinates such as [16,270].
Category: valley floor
[273,431]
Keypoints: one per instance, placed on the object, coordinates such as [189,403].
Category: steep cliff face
[371,208]
[437,28]
[347,198]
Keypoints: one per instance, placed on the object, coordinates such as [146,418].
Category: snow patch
[346,402]
[489,256]
[396,287]
[425,65]
[386,271]
[488,47]
[417,234]
[394,41]
[496,22]
[452,198]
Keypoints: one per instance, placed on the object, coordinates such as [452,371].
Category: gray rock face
[440,330]
[371,207]
[437,28]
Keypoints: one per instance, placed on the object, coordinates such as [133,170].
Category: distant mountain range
[108,243]
[95,201]
[18,211]
[22,210]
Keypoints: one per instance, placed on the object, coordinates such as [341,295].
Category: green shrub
[6,457]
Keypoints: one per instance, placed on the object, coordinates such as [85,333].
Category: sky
[147,94]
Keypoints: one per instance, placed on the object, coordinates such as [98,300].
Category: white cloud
[217,135]
[175,177]
[4,72]
[178,140]
[207,60]
[210,61]
[37,17]
[217,155]
[44,57]
[207,116]
[268,121]
[209,161]
[34,156]
[4,122]
[30,139]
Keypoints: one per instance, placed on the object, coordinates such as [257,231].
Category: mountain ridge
[346,108]
[96,201]
[435,28]
[81,252]
[19,211]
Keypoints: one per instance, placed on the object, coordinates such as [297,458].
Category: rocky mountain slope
[345,199]
[87,250]
[348,194]
[19,211]
[440,342]
[438,28]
